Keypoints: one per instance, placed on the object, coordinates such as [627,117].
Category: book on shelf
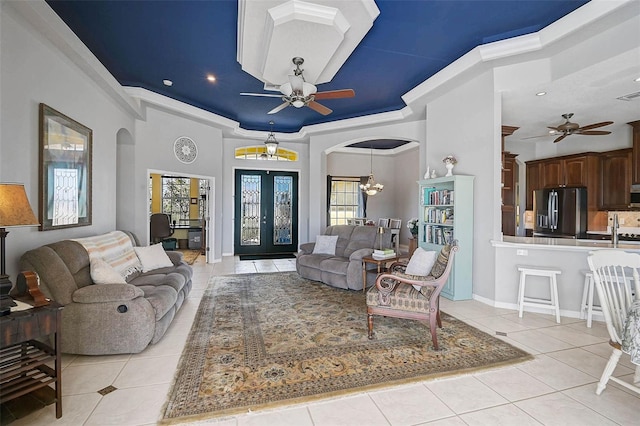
[432,196]
[435,234]
[439,215]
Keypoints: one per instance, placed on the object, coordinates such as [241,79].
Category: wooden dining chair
[612,270]
[415,297]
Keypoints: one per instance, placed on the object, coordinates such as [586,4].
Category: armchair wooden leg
[434,335]
[370,324]
[438,318]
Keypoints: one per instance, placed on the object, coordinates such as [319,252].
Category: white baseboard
[597,316]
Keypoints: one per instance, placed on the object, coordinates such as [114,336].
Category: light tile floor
[556,388]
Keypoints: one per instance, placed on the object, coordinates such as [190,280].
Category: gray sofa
[102,319]
[344,268]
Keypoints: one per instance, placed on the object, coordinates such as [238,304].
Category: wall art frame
[65,172]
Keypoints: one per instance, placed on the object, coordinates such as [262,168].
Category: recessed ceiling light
[541,93]
[211,77]
[167,83]
[637,79]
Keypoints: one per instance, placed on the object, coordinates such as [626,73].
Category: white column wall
[466,123]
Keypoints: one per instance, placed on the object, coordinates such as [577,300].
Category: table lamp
[15,211]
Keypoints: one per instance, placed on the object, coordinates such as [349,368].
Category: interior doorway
[266,212]
[194,218]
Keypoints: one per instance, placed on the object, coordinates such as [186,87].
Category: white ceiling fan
[298,93]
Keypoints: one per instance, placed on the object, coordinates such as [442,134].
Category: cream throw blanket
[116,249]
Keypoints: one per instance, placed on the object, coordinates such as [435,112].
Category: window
[260,153]
[345,202]
[176,197]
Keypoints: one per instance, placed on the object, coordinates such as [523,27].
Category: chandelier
[371,187]
[271,143]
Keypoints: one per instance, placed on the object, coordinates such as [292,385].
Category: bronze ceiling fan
[298,93]
[568,128]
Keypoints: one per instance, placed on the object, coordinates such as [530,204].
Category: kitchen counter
[568,255]
[564,244]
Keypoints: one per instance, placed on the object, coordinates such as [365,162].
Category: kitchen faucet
[614,230]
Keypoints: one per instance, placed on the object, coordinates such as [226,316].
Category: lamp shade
[15,209]
[272,146]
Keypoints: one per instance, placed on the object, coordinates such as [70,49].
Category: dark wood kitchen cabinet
[533,181]
[509,184]
[616,179]
[570,170]
[635,160]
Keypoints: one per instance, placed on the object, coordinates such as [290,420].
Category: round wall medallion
[185,149]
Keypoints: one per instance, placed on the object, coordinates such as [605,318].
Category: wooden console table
[23,359]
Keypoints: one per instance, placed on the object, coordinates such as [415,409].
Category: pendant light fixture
[271,142]
[371,187]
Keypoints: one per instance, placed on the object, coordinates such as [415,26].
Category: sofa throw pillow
[153,257]
[421,262]
[325,244]
[103,273]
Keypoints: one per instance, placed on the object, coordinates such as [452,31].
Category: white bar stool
[552,302]
[587,297]
[587,307]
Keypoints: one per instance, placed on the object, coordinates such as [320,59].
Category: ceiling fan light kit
[298,93]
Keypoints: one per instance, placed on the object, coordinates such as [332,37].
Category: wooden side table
[379,264]
[413,245]
[23,359]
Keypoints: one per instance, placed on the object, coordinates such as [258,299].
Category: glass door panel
[266,212]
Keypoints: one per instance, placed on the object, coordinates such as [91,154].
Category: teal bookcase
[446,213]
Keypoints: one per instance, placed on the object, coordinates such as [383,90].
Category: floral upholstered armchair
[400,293]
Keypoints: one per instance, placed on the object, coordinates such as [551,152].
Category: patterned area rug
[263,340]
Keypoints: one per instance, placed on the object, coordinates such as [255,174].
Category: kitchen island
[568,255]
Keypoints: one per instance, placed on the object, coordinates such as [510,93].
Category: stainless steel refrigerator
[560,212]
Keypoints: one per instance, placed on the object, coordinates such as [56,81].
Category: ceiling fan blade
[336,94]
[595,125]
[279,108]
[593,132]
[539,136]
[557,129]
[319,108]
[560,138]
[296,83]
[266,95]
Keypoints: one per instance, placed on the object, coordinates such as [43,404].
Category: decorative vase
[433,174]
[449,167]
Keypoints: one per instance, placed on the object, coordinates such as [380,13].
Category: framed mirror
[65,171]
